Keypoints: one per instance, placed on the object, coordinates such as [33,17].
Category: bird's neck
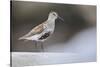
[50,20]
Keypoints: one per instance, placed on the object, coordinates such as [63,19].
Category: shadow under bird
[43,31]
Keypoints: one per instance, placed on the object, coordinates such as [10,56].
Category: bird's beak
[60,18]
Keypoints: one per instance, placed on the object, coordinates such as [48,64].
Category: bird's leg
[42,47]
[35,44]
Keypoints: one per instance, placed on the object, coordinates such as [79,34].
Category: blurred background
[26,15]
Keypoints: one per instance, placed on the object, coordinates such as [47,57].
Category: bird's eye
[54,14]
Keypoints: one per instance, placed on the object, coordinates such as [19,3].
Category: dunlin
[41,32]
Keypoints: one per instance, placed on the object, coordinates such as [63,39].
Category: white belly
[34,37]
[37,36]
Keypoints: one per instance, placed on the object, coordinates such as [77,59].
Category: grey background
[26,15]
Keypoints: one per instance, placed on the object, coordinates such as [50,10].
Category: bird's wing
[36,30]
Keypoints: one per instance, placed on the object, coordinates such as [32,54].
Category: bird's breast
[51,26]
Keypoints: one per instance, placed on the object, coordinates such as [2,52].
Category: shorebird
[44,30]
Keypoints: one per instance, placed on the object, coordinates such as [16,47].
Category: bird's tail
[21,38]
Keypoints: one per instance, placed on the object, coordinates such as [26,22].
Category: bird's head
[54,15]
